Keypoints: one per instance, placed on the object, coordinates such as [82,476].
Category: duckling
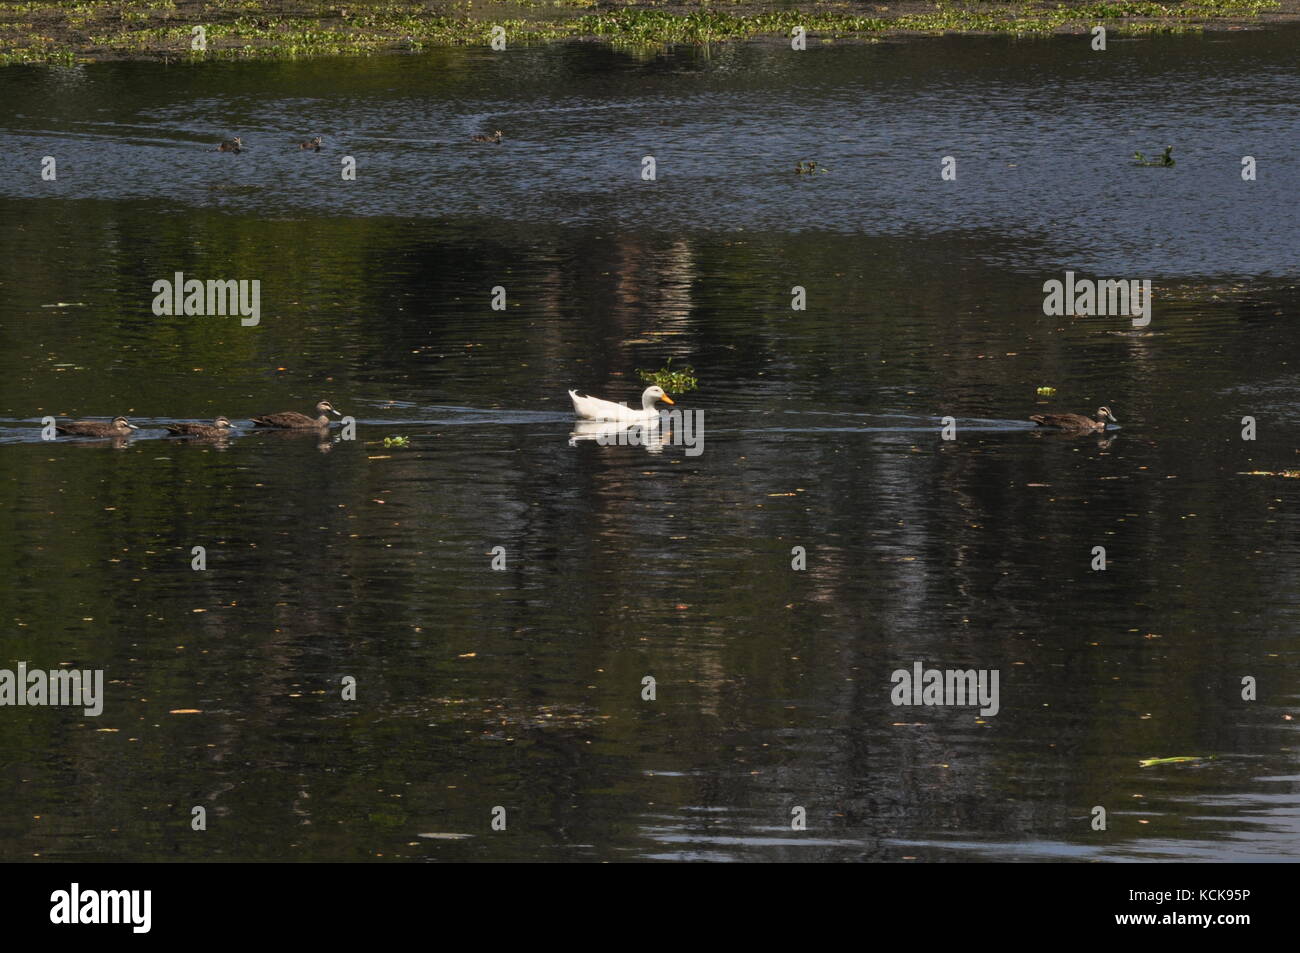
[1075,421]
[312,144]
[231,145]
[218,428]
[495,137]
[120,427]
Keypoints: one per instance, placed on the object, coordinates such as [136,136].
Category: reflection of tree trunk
[653,285]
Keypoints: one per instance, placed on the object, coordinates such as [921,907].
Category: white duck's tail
[586,407]
[593,408]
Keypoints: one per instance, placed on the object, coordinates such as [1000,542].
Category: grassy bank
[42,32]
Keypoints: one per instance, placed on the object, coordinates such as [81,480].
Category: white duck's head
[652,394]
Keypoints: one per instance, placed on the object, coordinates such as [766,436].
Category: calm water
[521,688]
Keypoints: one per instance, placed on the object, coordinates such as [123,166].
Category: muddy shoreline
[35,32]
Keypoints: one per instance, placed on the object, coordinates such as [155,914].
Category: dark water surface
[329,558]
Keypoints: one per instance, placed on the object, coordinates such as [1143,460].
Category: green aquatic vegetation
[1047,392]
[1165,161]
[79,14]
[656,27]
[397,441]
[1185,759]
[238,29]
[674,381]
[37,50]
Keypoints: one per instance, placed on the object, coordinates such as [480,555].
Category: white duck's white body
[593,408]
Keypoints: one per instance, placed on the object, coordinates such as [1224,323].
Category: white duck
[593,408]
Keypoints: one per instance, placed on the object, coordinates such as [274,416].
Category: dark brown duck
[312,144]
[218,428]
[119,427]
[1076,421]
[292,420]
[231,145]
[495,137]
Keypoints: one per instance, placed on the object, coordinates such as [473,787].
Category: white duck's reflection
[650,434]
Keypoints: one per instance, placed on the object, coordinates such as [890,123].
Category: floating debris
[1166,160]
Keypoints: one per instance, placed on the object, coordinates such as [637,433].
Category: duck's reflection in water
[117,443]
[1103,441]
[215,442]
[648,434]
[322,437]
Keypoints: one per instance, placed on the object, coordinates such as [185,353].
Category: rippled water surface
[330,558]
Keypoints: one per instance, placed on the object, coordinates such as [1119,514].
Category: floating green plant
[673,381]
[1047,392]
[397,441]
[1165,160]
[1189,759]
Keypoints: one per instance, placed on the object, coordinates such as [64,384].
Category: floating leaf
[1184,759]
